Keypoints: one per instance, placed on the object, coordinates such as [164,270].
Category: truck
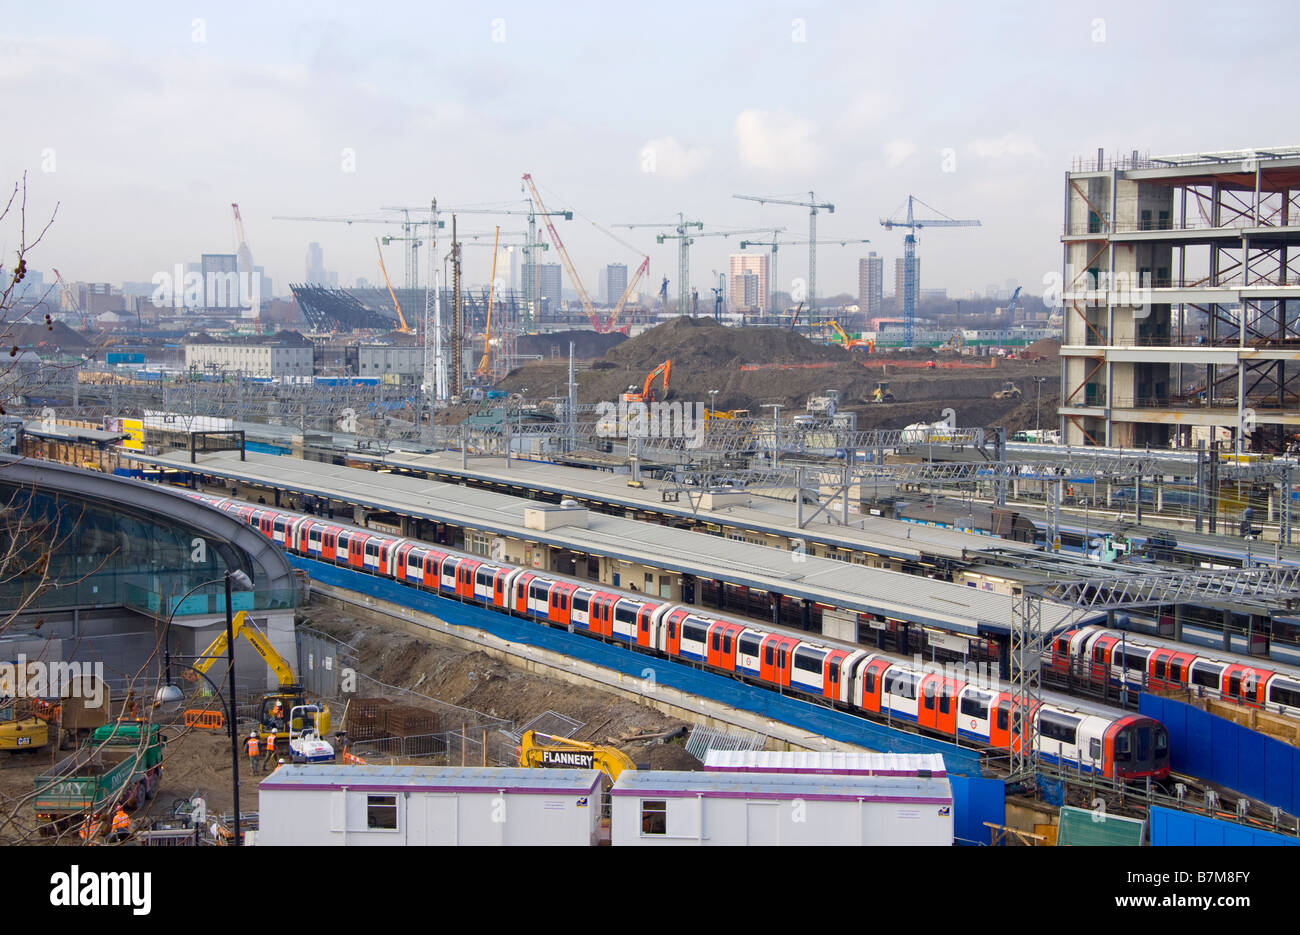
[120,763]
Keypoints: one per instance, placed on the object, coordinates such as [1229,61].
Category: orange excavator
[647,392]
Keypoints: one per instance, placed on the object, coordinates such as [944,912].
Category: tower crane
[530,246]
[813,207]
[775,244]
[244,257]
[681,232]
[914,224]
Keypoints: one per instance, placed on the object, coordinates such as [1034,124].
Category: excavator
[852,343]
[287,697]
[647,392]
[540,751]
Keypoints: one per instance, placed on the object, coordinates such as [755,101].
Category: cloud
[667,157]
[1008,145]
[898,151]
[776,142]
[867,110]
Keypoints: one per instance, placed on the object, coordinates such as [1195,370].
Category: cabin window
[1206,676]
[976,706]
[654,816]
[1058,727]
[381,813]
[1094,749]
[747,644]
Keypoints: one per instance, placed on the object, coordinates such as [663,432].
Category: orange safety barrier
[352,758]
[208,720]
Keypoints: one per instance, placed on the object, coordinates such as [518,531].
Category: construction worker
[270,750]
[90,828]
[277,715]
[253,752]
[121,825]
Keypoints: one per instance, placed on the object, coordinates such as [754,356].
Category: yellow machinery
[882,394]
[547,751]
[1009,391]
[289,695]
[22,730]
[485,365]
[852,343]
[402,326]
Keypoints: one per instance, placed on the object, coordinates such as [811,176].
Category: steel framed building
[1180,289]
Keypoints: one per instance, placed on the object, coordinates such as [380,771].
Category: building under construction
[1181,296]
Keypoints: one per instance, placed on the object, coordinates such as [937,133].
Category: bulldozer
[1009,391]
[23,729]
[882,394]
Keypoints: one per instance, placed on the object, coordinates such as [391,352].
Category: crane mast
[596,323]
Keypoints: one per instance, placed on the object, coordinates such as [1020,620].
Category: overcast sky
[145,121]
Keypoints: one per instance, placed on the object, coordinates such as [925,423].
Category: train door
[559,608]
[673,633]
[327,540]
[644,620]
[1099,664]
[403,572]
[1000,723]
[714,656]
[871,681]
[938,709]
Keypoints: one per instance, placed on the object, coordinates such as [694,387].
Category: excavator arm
[243,626]
[666,368]
[534,747]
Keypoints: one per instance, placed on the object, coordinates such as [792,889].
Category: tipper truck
[119,763]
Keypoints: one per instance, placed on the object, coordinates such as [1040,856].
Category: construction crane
[72,299]
[484,365]
[600,326]
[813,207]
[681,232]
[402,326]
[244,256]
[914,224]
[1010,312]
[774,244]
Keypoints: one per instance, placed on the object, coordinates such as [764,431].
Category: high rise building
[221,288]
[753,299]
[615,280]
[1177,326]
[549,283]
[871,284]
[315,265]
[899,276]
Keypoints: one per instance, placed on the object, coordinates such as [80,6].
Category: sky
[143,122]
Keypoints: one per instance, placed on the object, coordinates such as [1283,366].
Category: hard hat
[253,734]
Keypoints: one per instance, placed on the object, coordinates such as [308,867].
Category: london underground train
[1111,657]
[1082,737]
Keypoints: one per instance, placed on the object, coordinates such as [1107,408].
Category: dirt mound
[701,344]
[1047,347]
[586,344]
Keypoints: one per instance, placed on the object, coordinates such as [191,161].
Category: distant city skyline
[340,112]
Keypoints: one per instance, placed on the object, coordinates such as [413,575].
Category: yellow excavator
[277,706]
[539,751]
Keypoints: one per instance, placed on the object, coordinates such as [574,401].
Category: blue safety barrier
[1227,754]
[1170,828]
[837,725]
[975,801]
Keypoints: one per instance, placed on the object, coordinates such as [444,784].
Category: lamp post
[169,694]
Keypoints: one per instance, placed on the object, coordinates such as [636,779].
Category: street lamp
[713,396]
[170,694]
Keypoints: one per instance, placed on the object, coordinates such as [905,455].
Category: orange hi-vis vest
[121,822]
[252,746]
[270,742]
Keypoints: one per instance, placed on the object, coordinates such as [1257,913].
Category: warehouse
[398,806]
[653,808]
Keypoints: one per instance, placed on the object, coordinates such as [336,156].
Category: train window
[483,577]
[672,629]
[624,615]
[1094,749]
[1285,693]
[1056,726]
[902,684]
[835,675]
[945,701]
[1234,685]
[869,682]
[975,705]
[1122,745]
[809,660]
[694,632]
[1063,646]
[1162,740]
[1004,710]
[1175,672]
[1206,675]
[747,644]
[717,643]
[372,548]
[929,700]
[580,603]
[780,658]
[726,644]
[767,656]
[564,602]
[537,591]
[1099,654]
[1160,669]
